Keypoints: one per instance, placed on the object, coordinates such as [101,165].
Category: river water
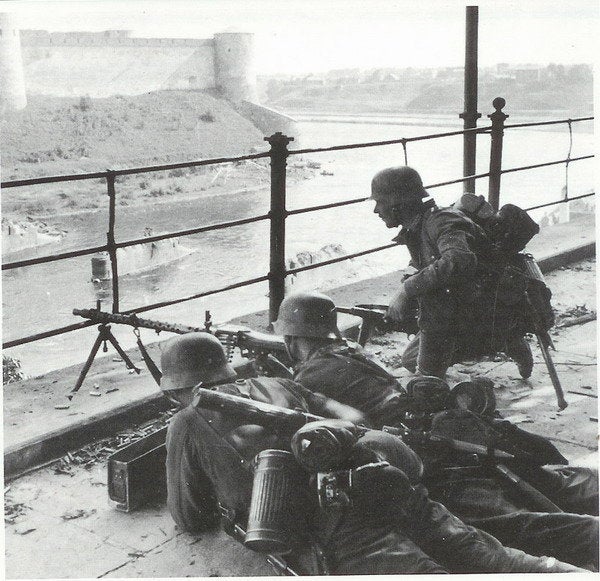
[42,297]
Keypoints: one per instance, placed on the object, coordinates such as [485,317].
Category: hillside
[59,135]
[55,136]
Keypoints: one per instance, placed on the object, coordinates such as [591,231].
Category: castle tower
[235,75]
[12,80]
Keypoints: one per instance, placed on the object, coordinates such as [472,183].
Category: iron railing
[278,213]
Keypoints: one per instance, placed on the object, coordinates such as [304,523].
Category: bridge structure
[280,150]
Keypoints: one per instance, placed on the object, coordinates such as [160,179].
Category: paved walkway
[63,527]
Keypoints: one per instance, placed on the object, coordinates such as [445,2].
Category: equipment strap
[152,367]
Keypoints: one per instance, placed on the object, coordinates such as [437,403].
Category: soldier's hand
[400,306]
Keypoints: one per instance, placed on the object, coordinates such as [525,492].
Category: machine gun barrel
[244,338]
[133,320]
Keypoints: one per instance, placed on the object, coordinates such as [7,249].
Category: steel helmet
[189,359]
[400,183]
[307,315]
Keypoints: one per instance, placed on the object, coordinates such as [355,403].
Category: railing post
[277,215]
[497,117]
[110,238]
[470,114]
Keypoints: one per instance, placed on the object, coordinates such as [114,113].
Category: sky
[301,36]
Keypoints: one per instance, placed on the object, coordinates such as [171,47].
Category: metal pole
[110,239]
[497,117]
[277,215]
[470,114]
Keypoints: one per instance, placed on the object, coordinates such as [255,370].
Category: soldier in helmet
[195,435]
[308,323]
[209,471]
[444,245]
[324,361]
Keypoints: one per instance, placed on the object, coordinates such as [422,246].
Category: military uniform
[359,382]
[208,459]
[474,496]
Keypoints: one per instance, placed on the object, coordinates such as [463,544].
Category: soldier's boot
[520,352]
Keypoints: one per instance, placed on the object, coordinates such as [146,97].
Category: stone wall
[12,85]
[100,64]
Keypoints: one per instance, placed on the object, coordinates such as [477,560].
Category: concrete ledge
[55,444]
[28,454]
[567,256]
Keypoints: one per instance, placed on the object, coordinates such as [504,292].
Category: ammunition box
[136,474]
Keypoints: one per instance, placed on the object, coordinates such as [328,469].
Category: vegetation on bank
[54,135]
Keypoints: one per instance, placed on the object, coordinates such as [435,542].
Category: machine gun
[267,352]
[374,317]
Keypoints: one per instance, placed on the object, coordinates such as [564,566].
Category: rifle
[493,457]
[418,438]
[532,271]
[374,316]
[267,351]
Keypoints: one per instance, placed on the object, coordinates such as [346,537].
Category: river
[42,297]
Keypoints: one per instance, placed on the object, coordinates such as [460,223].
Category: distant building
[527,73]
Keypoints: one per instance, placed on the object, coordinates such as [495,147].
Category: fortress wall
[235,72]
[108,63]
[111,38]
[197,72]
[101,71]
[111,62]
[268,120]
[12,84]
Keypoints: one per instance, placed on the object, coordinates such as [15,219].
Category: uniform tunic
[477,499]
[208,459]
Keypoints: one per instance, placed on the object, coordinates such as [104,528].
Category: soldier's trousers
[568,537]
[430,353]
[499,510]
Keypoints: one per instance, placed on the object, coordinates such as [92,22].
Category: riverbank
[65,199]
